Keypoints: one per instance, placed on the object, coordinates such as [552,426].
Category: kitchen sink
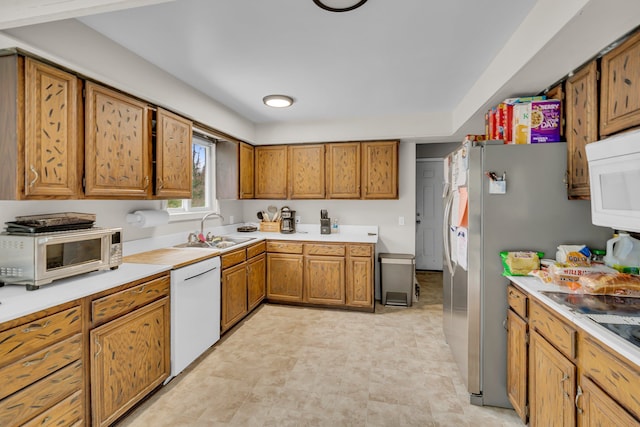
[223,242]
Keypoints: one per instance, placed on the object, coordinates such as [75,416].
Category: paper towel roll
[149,218]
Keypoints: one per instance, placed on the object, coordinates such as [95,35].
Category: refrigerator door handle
[445,231]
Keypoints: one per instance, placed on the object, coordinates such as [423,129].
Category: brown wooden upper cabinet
[581,111]
[174,161]
[40,122]
[620,95]
[271,172]
[246,174]
[380,170]
[306,171]
[343,170]
[117,145]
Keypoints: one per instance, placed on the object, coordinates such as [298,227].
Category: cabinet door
[284,277]
[117,145]
[129,357]
[306,172]
[359,286]
[596,408]
[517,361]
[174,159]
[380,170]
[581,111]
[256,281]
[234,295]
[53,156]
[343,170]
[620,95]
[324,280]
[552,385]
[271,172]
[246,171]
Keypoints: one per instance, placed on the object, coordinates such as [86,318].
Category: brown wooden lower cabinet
[234,295]
[130,356]
[284,277]
[324,280]
[41,367]
[552,383]
[596,408]
[604,394]
[517,363]
[243,283]
[256,280]
[321,274]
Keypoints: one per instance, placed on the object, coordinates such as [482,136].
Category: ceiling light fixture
[339,5]
[278,101]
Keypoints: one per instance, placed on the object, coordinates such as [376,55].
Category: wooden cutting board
[177,257]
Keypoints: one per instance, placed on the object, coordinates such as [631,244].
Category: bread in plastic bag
[520,263]
[607,283]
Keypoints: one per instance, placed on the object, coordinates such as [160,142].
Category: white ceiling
[387,58]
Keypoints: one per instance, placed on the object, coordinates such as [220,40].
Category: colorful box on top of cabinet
[536,122]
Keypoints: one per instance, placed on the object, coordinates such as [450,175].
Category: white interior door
[429,211]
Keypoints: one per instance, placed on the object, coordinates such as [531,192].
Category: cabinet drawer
[23,340]
[284,247]
[232,258]
[619,379]
[517,301]
[556,331]
[115,305]
[69,412]
[360,250]
[33,400]
[256,249]
[39,364]
[324,249]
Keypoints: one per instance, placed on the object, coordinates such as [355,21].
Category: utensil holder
[270,226]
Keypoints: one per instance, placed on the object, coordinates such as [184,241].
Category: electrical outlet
[400,220]
[231,219]
[298,219]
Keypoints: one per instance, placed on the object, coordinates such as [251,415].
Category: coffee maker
[288,222]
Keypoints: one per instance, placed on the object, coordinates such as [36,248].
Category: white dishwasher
[195,312]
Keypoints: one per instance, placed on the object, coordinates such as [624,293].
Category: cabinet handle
[140,291]
[35,172]
[160,184]
[35,361]
[578,394]
[99,348]
[564,377]
[146,182]
[35,327]
[505,325]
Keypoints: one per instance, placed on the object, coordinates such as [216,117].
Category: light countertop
[16,301]
[534,286]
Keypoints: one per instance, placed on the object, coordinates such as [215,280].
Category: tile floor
[291,366]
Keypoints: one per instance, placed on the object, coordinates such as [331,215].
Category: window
[203,176]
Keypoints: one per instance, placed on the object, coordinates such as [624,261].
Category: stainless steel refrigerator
[528,210]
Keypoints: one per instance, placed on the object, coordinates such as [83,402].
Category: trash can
[397,273]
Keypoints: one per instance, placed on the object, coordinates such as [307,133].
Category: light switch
[400,220]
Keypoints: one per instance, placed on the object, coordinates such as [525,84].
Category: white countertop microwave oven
[614,174]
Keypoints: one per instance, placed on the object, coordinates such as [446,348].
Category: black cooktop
[597,304]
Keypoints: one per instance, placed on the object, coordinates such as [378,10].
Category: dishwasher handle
[203,273]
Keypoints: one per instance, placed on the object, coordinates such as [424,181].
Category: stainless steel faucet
[217,215]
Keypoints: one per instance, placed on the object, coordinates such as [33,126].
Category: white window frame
[186,212]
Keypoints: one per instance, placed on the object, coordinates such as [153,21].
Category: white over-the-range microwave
[614,174]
